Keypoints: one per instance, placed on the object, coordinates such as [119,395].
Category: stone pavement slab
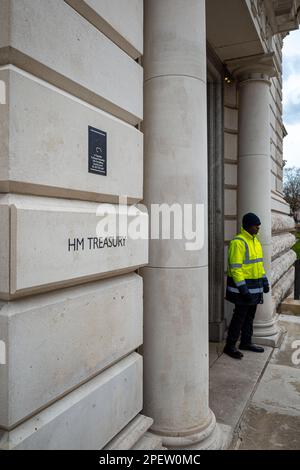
[232,382]
[279,390]
[264,430]
[284,354]
[272,417]
[272,420]
[215,351]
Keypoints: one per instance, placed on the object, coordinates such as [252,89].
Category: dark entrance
[215,80]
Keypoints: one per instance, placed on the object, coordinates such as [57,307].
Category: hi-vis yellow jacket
[246,277]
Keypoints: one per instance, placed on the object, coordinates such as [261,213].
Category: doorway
[215,138]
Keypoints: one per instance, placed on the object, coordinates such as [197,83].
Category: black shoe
[251,347]
[233,352]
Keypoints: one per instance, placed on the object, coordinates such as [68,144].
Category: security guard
[246,283]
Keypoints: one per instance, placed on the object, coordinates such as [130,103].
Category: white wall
[70,333]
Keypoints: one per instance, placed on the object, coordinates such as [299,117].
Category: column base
[268,333]
[274,340]
[131,435]
[215,437]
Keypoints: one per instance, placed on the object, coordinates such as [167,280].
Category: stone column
[254,170]
[176,280]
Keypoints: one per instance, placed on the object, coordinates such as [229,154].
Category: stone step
[131,434]
[149,442]
[290,307]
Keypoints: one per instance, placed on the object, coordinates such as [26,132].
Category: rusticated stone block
[45,145]
[58,340]
[282,243]
[282,288]
[52,41]
[282,222]
[281,265]
[88,417]
[54,243]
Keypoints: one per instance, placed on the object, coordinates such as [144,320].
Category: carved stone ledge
[283,15]
[259,66]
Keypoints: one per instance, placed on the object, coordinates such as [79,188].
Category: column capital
[258,67]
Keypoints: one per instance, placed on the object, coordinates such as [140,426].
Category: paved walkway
[259,396]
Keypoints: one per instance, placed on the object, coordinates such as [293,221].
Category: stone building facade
[161,101]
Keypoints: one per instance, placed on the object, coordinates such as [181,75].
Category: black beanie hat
[250,219]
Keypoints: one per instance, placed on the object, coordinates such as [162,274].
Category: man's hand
[245,293]
[266,285]
[247,297]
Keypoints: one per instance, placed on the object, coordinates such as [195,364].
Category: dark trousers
[241,324]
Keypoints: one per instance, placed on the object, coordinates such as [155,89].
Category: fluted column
[176,280]
[254,170]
